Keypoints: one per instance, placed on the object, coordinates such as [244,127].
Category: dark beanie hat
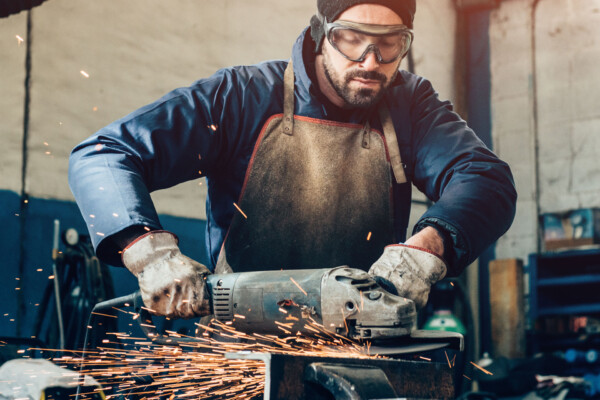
[331,9]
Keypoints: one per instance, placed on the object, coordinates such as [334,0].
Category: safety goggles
[355,40]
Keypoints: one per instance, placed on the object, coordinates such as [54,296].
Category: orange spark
[104,315]
[299,287]
[203,372]
[425,358]
[82,72]
[362,300]
[19,39]
[446,353]
[481,368]
[345,323]
[240,210]
[369,236]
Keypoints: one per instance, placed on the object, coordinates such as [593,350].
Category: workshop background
[524,73]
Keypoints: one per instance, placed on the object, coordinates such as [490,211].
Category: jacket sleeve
[473,190]
[178,138]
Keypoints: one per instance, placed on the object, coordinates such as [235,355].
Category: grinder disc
[405,349]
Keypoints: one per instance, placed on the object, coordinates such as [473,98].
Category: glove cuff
[418,248]
[148,248]
[425,264]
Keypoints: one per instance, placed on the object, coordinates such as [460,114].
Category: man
[318,154]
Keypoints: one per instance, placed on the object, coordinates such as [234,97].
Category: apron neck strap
[392,143]
[288,99]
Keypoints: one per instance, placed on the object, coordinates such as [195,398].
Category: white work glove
[171,284]
[411,270]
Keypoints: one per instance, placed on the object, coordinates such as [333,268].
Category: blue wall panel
[38,221]
[9,261]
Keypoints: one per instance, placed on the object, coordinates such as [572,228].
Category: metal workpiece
[347,381]
[295,377]
[346,301]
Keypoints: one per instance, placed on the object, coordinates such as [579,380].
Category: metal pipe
[535,128]
[59,316]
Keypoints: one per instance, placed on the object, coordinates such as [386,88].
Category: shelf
[562,286]
[589,308]
[571,253]
[569,280]
[566,341]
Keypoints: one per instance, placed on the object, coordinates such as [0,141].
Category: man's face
[357,84]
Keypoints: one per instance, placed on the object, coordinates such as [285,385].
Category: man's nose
[370,62]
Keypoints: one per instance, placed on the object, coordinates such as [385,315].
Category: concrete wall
[433,49]
[12,89]
[136,51]
[566,102]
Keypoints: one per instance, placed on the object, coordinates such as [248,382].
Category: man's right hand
[171,284]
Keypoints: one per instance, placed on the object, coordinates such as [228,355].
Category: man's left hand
[412,271]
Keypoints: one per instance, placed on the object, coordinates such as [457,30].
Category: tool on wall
[80,281]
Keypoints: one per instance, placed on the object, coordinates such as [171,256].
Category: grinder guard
[370,312]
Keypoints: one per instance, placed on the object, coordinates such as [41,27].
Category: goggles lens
[355,44]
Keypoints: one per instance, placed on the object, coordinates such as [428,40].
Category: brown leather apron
[317,194]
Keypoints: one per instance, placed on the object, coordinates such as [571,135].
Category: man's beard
[355,98]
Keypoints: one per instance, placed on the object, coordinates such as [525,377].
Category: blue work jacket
[210,129]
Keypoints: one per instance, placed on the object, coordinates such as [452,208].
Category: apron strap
[288,100]
[392,141]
